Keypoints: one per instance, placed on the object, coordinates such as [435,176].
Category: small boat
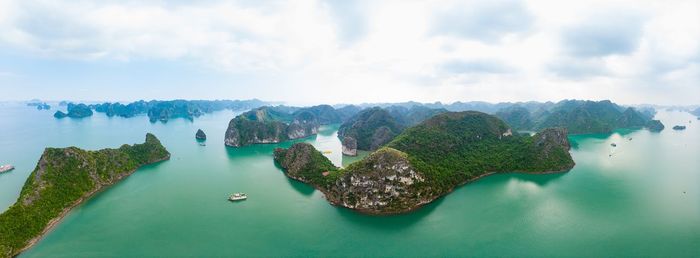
[202,144]
[327,152]
[6,168]
[630,138]
[238,197]
[613,144]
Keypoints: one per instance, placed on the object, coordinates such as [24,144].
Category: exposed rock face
[655,126]
[349,146]
[243,132]
[303,125]
[64,178]
[265,125]
[371,128]
[552,137]
[384,182]
[200,135]
[296,160]
[59,114]
[428,161]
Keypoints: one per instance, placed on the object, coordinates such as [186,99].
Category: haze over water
[640,198]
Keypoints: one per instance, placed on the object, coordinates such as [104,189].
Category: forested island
[74,111]
[427,161]
[158,110]
[373,127]
[277,124]
[64,178]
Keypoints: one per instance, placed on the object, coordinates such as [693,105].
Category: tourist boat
[202,144]
[6,168]
[237,197]
[613,144]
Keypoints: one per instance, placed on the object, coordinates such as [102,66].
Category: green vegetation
[452,148]
[269,125]
[372,128]
[579,117]
[427,161]
[62,178]
[75,111]
[303,162]
[158,110]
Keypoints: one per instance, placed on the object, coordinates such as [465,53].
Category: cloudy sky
[336,51]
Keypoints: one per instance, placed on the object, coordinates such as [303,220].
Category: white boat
[6,168]
[237,197]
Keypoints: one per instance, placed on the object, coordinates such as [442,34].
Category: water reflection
[389,223]
[539,179]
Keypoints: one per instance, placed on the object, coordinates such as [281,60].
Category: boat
[6,168]
[327,152]
[202,144]
[613,144]
[679,127]
[238,197]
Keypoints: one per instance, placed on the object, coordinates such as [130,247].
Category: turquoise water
[644,200]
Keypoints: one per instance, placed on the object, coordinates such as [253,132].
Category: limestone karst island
[325,128]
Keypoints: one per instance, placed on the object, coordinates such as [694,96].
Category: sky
[335,51]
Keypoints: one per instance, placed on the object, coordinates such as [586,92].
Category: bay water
[641,198]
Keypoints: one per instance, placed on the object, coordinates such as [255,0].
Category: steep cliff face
[428,161]
[266,125]
[200,135]
[371,129]
[579,117]
[383,183]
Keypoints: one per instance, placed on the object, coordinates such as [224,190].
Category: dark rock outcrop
[655,126]
[64,178]
[349,146]
[200,135]
[59,114]
[266,125]
[371,129]
[552,138]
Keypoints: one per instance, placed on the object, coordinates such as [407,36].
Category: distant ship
[613,144]
[237,197]
[6,168]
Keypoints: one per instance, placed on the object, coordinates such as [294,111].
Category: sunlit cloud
[352,51]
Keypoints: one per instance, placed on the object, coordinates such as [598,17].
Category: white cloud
[388,50]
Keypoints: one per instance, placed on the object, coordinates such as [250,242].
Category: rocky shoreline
[411,172]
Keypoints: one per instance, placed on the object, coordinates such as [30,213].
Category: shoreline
[420,205]
[55,221]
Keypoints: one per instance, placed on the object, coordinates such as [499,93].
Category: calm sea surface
[641,198]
